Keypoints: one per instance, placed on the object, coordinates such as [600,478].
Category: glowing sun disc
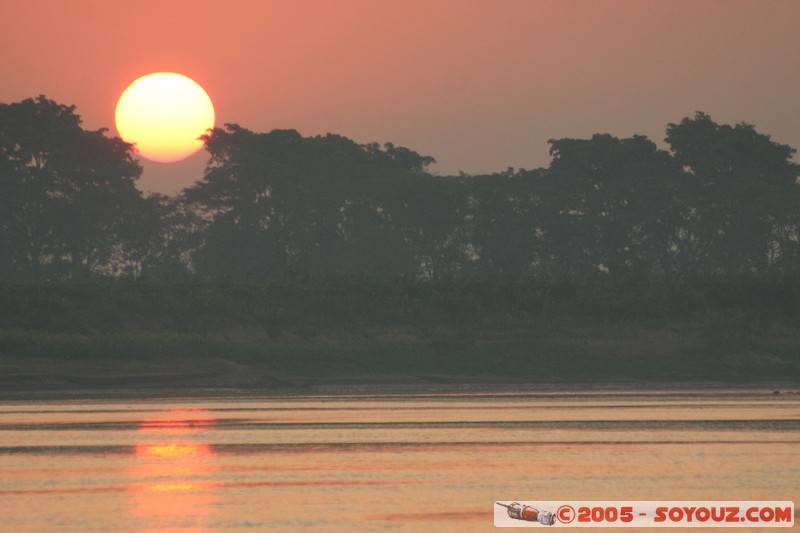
[164,113]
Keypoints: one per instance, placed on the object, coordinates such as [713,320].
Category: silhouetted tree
[434,219]
[67,193]
[724,199]
[743,198]
[507,222]
[280,203]
[611,204]
[160,239]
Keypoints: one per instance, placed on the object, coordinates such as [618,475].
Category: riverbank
[382,358]
[204,376]
[296,336]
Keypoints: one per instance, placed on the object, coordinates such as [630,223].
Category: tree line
[720,199]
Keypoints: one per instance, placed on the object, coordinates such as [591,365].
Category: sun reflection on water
[174,451]
[172,487]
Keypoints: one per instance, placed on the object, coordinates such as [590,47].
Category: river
[392,462]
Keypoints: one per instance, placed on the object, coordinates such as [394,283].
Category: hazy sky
[479,85]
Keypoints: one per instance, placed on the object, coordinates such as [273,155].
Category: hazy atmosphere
[480,86]
[419,265]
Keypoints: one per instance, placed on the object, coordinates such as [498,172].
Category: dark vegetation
[723,200]
[511,330]
[299,258]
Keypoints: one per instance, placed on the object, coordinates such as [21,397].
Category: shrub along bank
[315,331]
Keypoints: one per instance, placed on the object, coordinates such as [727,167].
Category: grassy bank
[139,333]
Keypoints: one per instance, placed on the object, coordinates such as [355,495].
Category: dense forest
[721,200]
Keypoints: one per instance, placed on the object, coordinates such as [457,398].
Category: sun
[164,113]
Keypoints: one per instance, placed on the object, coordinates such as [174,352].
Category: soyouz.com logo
[691,514]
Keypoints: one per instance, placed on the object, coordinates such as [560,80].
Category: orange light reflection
[173,451]
[172,476]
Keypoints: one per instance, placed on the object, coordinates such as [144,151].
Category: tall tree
[278,202]
[68,193]
[507,222]
[611,204]
[159,239]
[744,194]
[434,221]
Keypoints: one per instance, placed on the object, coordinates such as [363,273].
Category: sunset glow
[174,451]
[172,470]
[164,114]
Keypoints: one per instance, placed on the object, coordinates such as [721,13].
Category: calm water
[381,463]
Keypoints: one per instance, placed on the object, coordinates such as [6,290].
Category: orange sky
[479,85]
